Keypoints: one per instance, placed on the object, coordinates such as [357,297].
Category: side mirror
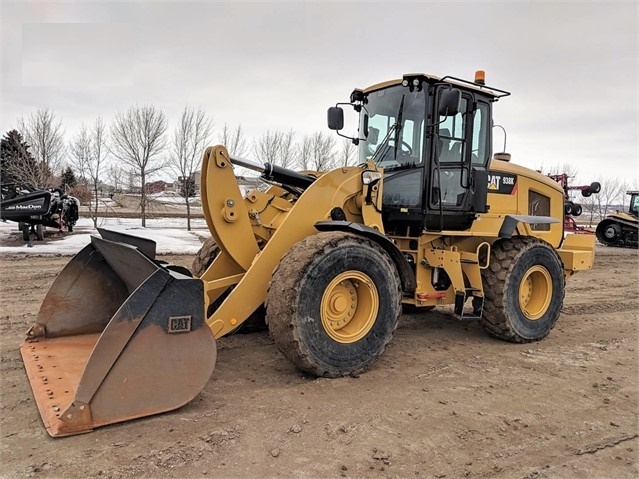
[449,102]
[335,118]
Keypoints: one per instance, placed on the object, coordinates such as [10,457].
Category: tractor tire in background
[202,261]
[568,208]
[333,304]
[524,290]
[24,229]
[577,210]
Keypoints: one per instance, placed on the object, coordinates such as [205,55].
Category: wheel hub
[610,232]
[349,306]
[535,292]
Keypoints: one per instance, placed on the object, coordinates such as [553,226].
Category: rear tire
[208,252]
[595,187]
[524,290]
[333,304]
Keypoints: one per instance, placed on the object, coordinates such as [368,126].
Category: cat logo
[179,324]
[502,183]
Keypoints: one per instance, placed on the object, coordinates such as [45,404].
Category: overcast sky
[571,67]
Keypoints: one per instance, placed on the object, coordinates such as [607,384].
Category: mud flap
[118,337]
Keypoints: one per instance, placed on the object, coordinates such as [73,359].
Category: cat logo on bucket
[502,183]
[179,324]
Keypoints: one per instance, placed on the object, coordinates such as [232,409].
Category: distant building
[156,186]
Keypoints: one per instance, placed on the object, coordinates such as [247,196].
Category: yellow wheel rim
[349,306]
[535,292]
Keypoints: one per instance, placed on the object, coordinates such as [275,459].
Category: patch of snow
[170,235]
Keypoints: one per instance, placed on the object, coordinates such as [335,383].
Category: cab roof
[432,79]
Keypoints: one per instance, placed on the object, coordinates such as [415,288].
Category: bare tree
[287,150]
[116,176]
[305,153]
[590,206]
[89,150]
[235,143]
[233,140]
[609,194]
[322,155]
[267,147]
[139,140]
[347,152]
[191,136]
[44,133]
[276,147]
[569,169]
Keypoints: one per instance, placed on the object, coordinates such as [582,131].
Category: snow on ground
[170,234]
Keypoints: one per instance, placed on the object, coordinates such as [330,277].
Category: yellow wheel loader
[327,259]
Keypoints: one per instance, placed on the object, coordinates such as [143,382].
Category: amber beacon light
[480,77]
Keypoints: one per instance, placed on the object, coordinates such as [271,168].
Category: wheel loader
[621,228]
[327,259]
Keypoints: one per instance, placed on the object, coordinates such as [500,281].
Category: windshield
[383,108]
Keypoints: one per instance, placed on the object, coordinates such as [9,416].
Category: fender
[406,273]
[510,223]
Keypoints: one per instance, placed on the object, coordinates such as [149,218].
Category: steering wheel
[408,150]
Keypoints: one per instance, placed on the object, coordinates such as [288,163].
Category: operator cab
[633,209]
[432,137]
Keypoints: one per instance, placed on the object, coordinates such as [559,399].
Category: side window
[452,132]
[480,144]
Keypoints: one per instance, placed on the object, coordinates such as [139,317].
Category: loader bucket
[117,337]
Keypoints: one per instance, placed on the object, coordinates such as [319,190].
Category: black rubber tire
[412,309]
[509,260]
[586,193]
[568,208]
[595,187]
[295,295]
[577,210]
[24,228]
[203,259]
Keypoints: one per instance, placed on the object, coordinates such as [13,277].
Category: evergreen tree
[187,187]
[68,179]
[16,161]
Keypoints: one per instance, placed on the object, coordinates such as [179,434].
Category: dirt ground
[445,400]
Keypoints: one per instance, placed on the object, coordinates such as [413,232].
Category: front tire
[333,304]
[524,290]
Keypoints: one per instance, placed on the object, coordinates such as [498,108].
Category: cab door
[460,152]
